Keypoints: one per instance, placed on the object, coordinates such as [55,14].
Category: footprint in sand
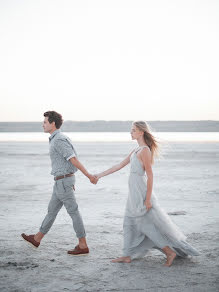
[20,266]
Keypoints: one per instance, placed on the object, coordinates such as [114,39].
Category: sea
[110,136]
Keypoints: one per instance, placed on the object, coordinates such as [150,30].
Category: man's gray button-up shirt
[61,150]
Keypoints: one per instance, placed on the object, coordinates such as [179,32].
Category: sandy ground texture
[185,181]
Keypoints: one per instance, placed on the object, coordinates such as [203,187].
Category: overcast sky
[112,60]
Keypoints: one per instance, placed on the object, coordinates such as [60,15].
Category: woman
[146,225]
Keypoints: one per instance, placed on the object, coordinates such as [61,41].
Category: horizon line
[113,121]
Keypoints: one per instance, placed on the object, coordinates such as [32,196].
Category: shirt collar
[53,134]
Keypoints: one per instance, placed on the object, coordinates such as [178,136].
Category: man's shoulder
[60,137]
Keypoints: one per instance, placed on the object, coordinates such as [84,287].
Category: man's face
[48,128]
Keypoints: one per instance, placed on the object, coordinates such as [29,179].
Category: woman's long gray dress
[144,229]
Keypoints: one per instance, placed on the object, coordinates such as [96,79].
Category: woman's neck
[141,142]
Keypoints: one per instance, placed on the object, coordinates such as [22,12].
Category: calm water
[111,136]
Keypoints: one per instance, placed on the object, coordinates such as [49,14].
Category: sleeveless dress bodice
[135,166]
[137,188]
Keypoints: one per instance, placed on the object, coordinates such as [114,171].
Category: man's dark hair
[54,117]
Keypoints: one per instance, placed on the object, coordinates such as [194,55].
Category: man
[64,164]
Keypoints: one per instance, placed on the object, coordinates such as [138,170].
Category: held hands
[93,179]
[148,205]
[98,176]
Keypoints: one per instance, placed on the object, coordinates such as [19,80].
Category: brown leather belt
[63,176]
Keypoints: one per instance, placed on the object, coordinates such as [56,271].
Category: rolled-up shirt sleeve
[64,148]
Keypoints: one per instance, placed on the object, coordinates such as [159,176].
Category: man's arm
[65,150]
[80,166]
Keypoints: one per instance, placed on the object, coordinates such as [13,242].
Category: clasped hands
[94,179]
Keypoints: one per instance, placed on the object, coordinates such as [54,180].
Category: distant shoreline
[114,126]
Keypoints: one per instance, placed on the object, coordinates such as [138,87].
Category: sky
[109,60]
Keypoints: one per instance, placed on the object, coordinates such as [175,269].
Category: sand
[185,181]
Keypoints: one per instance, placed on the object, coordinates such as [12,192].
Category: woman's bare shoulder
[145,151]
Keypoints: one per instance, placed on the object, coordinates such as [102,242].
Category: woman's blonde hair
[149,139]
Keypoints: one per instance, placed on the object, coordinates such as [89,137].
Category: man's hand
[93,179]
[77,164]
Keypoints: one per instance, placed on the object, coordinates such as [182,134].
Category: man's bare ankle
[82,242]
[36,238]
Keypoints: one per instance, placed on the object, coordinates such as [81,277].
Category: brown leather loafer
[30,239]
[77,251]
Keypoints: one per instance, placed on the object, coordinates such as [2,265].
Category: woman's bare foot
[122,260]
[170,259]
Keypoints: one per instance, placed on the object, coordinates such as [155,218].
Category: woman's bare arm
[115,167]
[145,156]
